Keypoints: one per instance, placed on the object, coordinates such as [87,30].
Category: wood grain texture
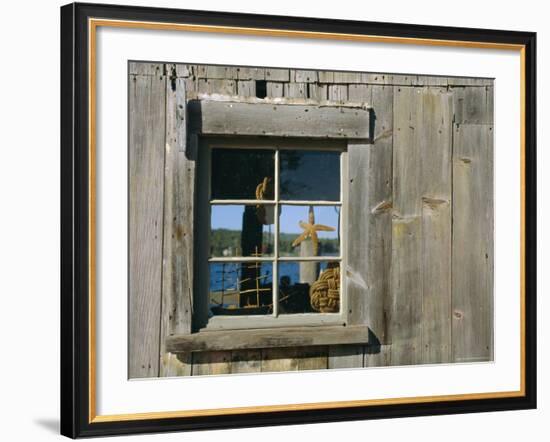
[472,279]
[274,89]
[295,90]
[419,187]
[473,105]
[246,73]
[146,181]
[284,120]
[303,76]
[421,239]
[295,358]
[370,193]
[179,187]
[266,338]
[436,140]
[211,363]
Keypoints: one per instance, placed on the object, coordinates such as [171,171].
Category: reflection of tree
[291,160]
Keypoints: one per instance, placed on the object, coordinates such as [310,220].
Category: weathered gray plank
[146,176]
[286,120]
[472,283]
[378,356]
[421,241]
[436,135]
[317,91]
[224,87]
[177,274]
[473,105]
[345,356]
[211,363]
[246,88]
[295,358]
[217,72]
[369,230]
[348,77]
[273,74]
[246,361]
[183,70]
[374,78]
[469,81]
[361,93]
[295,90]
[274,89]
[303,76]
[267,338]
[246,73]
[406,287]
[338,92]
[140,68]
[406,276]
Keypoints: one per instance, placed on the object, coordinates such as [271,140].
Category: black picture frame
[76,403]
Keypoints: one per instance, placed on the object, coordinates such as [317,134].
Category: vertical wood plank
[472,283]
[421,239]
[294,358]
[274,89]
[317,91]
[338,92]
[406,277]
[246,88]
[211,363]
[179,187]
[436,135]
[406,283]
[473,105]
[246,361]
[146,170]
[295,90]
[345,356]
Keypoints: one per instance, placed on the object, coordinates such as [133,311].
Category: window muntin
[255,270]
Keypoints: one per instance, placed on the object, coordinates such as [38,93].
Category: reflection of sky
[231,217]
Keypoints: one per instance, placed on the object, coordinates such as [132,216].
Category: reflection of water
[231,273]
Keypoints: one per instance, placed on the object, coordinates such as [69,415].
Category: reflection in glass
[309,175]
[241,288]
[242,174]
[309,287]
[309,231]
[239,230]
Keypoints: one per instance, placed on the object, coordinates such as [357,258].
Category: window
[274,242]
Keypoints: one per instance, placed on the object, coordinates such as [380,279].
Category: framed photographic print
[278,220]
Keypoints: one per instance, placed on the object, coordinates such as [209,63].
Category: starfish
[310,231]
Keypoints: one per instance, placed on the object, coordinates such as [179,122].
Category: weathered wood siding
[420,257]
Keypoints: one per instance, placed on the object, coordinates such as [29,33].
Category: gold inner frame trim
[93,24]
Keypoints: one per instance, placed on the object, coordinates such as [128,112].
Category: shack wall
[429,248]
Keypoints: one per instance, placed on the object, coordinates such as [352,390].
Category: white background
[29,171]
[115,395]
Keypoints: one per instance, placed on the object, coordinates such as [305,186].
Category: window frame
[201,321]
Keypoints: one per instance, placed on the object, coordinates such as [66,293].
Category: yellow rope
[324,294]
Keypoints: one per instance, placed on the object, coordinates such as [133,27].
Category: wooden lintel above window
[267,338]
[294,118]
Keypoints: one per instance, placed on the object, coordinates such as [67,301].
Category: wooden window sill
[267,338]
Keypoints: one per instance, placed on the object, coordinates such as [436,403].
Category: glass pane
[309,175]
[241,288]
[239,230]
[309,287]
[309,231]
[242,174]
